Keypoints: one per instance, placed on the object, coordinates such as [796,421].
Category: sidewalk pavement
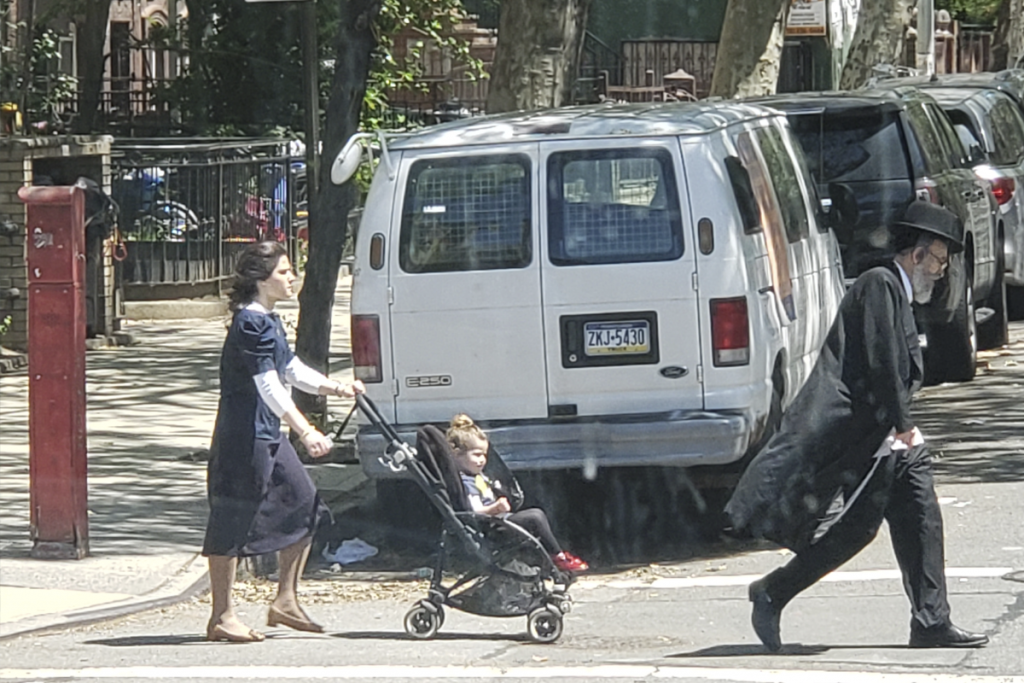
[150,413]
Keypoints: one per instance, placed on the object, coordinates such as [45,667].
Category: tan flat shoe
[276,617]
[217,632]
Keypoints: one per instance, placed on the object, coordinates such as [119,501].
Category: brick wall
[15,170]
[63,159]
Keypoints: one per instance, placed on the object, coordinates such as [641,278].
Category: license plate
[617,338]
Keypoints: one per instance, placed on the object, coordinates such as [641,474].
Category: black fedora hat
[936,220]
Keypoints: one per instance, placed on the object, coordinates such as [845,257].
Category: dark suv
[1010,82]
[1008,85]
[872,152]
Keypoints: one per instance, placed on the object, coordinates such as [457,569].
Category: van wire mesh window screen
[466,214]
[613,207]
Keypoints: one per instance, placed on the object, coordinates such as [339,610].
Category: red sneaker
[568,562]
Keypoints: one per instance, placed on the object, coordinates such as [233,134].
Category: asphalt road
[684,618]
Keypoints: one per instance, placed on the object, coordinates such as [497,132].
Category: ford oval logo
[673,372]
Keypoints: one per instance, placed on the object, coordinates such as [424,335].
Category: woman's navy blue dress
[261,498]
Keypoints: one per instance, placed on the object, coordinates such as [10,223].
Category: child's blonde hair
[461,430]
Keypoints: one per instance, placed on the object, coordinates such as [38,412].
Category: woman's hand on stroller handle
[349,390]
[317,444]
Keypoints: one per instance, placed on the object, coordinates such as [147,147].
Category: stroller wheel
[422,622]
[544,625]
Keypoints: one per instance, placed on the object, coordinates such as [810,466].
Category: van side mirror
[348,159]
[843,213]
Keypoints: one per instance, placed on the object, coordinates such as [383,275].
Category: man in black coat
[847,453]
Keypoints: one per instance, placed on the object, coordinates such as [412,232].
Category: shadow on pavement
[148,641]
[399,635]
[792,650]
[975,427]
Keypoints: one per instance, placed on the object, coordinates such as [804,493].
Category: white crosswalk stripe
[586,673]
[718,581]
[625,672]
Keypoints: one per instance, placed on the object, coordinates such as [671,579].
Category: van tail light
[928,190]
[366,348]
[730,332]
[1002,189]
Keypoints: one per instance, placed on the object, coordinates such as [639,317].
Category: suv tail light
[730,332]
[366,348]
[926,189]
[1002,189]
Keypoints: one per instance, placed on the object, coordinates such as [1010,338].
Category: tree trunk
[538,54]
[91,39]
[195,29]
[750,48]
[1016,35]
[1008,42]
[328,218]
[877,40]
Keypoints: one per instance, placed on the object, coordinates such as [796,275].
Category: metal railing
[188,207]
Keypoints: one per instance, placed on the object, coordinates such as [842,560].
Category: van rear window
[613,206]
[851,146]
[466,213]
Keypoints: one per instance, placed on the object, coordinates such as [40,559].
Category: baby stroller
[504,571]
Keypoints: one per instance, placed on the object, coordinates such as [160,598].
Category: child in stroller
[469,450]
[495,567]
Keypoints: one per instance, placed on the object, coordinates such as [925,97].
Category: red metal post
[56,370]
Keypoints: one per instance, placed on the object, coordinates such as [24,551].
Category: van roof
[600,120]
[889,98]
[949,97]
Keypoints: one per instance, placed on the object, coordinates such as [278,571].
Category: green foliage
[970,11]
[249,65]
[433,20]
[10,67]
[46,89]
[51,89]
[5,325]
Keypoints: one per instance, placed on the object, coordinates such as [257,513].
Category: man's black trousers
[904,495]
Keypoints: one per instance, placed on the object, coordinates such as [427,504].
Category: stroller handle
[370,410]
[397,451]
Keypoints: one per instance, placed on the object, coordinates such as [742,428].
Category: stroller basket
[509,572]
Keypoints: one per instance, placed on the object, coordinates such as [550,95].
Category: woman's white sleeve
[273,393]
[303,377]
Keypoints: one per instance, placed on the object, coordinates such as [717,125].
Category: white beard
[922,284]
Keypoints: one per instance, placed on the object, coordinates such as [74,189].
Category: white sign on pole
[807,18]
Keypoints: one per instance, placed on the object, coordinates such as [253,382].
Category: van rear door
[620,306]
[465,288]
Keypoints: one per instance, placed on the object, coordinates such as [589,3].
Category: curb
[190,581]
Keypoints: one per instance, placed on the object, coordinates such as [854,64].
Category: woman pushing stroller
[261,498]
[469,447]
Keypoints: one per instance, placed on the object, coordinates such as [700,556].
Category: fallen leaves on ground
[262,591]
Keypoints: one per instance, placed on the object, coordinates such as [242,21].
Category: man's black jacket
[858,391]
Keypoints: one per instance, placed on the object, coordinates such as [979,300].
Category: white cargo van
[597,286]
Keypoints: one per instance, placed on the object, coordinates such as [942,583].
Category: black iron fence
[187,208]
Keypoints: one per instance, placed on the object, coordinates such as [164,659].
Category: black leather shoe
[765,616]
[946,636]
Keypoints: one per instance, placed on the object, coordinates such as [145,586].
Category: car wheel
[772,423]
[952,351]
[1014,302]
[994,332]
